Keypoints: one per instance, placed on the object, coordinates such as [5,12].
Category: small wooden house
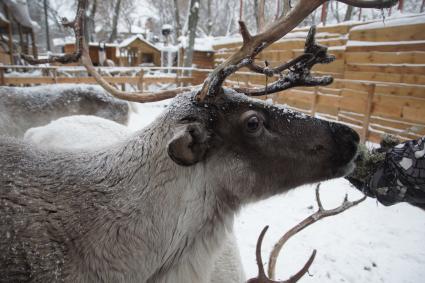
[202,59]
[16,32]
[203,54]
[136,51]
[99,52]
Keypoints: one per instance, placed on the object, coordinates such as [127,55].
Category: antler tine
[253,45]
[262,277]
[299,69]
[318,215]
[82,52]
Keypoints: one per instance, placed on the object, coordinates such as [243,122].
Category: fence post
[315,99]
[2,82]
[55,75]
[368,111]
[140,82]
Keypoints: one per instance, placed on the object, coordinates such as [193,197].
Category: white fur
[90,132]
[77,132]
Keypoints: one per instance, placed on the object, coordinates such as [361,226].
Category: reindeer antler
[253,45]
[299,68]
[318,215]
[82,52]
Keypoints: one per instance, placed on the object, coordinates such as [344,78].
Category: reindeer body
[77,133]
[24,108]
[132,213]
[74,225]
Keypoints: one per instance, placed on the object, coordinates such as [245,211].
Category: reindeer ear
[189,144]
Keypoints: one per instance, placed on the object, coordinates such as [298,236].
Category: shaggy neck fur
[148,221]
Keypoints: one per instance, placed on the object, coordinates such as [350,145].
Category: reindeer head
[264,148]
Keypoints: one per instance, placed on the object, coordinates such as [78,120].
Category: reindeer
[90,133]
[157,206]
[22,108]
[77,133]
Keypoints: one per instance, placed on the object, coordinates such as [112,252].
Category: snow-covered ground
[368,243]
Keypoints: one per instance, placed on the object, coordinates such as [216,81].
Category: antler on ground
[262,277]
[82,52]
[318,215]
[253,45]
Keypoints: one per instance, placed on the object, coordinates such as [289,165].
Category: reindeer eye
[253,124]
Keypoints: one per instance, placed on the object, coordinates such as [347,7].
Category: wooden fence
[139,77]
[379,76]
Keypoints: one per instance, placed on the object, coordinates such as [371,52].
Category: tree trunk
[348,13]
[178,26]
[91,22]
[210,21]
[423,6]
[324,13]
[115,21]
[335,10]
[192,25]
[401,5]
[46,22]
[260,15]
[240,10]
[286,7]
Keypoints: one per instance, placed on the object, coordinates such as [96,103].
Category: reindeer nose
[346,141]
[344,133]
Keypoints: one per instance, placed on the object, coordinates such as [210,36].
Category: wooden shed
[96,49]
[136,50]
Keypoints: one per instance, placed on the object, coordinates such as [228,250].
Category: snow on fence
[139,77]
[379,75]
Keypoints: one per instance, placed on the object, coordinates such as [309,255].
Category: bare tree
[260,9]
[46,21]
[115,19]
[192,25]
[209,17]
[348,13]
[286,7]
[178,26]
[91,21]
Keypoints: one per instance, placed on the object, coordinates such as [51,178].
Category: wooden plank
[413,114]
[385,68]
[390,33]
[376,57]
[385,77]
[332,42]
[399,47]
[28,80]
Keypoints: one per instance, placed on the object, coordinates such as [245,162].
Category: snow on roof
[71,40]
[140,37]
[167,26]
[392,22]
[227,39]
[204,44]
[162,47]
[3,18]
[19,11]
